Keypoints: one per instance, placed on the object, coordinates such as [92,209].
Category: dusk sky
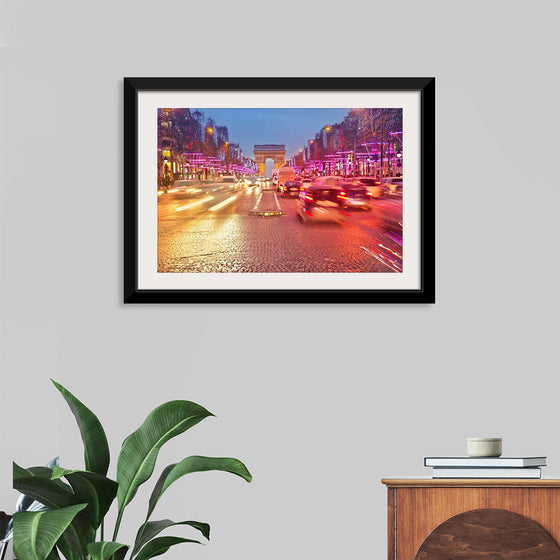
[292,127]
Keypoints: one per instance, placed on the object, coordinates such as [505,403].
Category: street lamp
[399,162]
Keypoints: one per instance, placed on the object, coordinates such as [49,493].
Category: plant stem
[141,532]
[117,524]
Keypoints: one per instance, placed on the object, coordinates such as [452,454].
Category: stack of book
[485,467]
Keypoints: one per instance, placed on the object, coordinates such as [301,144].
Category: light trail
[196,203]
[398,255]
[222,204]
[382,260]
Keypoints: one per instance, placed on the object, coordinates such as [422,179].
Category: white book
[467,462]
[527,472]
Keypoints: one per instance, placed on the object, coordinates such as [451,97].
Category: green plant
[24,503]
[5,532]
[77,501]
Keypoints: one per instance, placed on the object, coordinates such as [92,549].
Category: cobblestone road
[210,229]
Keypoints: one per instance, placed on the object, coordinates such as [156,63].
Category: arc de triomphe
[277,152]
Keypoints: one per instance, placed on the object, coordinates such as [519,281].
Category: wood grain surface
[391,523]
[471,482]
[419,510]
[489,534]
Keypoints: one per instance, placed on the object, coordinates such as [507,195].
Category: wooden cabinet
[507,518]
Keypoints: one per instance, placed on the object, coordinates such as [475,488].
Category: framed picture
[279,190]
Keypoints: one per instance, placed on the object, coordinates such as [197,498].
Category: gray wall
[318,430]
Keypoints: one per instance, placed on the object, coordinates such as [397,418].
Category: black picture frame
[424,292]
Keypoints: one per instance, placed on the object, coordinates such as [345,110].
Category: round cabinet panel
[488,534]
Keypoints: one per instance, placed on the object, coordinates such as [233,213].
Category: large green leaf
[160,546]
[43,472]
[95,489]
[51,493]
[55,494]
[53,555]
[5,524]
[96,448]
[196,463]
[65,550]
[25,503]
[105,550]
[149,530]
[36,533]
[140,449]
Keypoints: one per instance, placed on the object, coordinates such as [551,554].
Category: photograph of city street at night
[283,190]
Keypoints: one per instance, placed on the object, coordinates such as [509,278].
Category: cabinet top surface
[470,482]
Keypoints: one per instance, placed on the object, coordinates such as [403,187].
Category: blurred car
[354,195]
[329,181]
[305,182]
[290,188]
[387,215]
[285,174]
[320,203]
[393,184]
[241,184]
[229,179]
[374,186]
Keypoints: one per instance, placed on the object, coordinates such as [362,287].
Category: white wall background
[317,430]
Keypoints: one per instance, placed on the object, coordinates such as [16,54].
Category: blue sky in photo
[291,127]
